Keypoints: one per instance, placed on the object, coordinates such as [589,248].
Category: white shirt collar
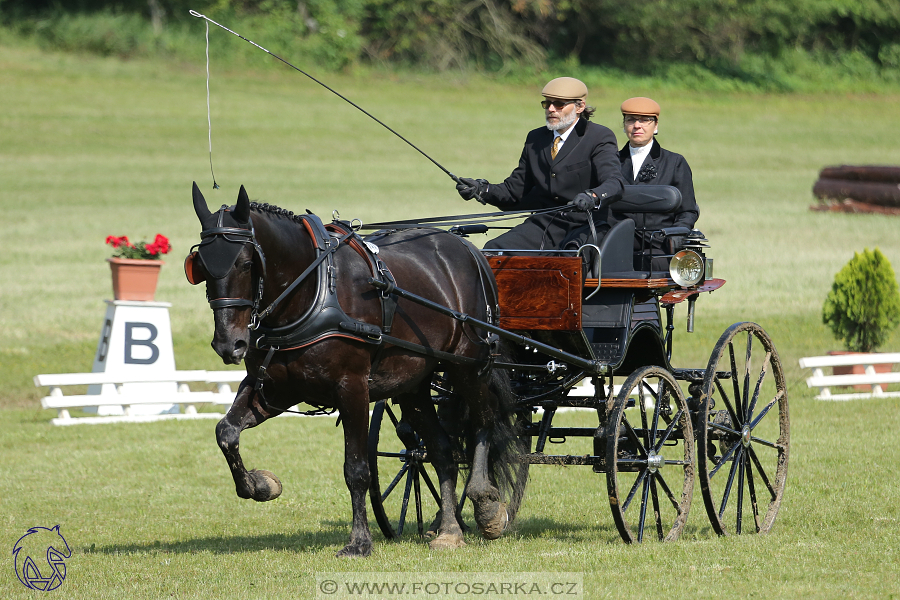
[564,135]
[638,155]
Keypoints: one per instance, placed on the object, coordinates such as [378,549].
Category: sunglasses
[557,104]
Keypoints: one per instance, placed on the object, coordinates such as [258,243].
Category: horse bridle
[235,235]
[248,236]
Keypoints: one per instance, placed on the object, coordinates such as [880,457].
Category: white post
[876,387]
[823,392]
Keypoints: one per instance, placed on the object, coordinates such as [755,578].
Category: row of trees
[721,35]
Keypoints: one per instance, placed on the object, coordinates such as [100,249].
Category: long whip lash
[208,117]
[348,101]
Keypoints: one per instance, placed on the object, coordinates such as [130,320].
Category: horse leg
[419,410]
[257,484]
[355,419]
[490,513]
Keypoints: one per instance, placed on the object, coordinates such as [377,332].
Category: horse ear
[242,208]
[200,203]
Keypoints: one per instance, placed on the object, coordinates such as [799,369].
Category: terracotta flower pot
[857,369]
[134,279]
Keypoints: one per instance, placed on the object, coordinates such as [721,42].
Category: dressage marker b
[136,339]
[132,342]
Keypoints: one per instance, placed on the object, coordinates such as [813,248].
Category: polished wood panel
[676,296]
[538,292]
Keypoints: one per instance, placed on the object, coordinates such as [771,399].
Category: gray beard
[563,122]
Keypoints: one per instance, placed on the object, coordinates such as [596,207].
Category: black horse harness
[324,318]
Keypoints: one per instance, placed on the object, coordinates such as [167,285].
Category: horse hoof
[355,551]
[265,485]
[446,541]
[493,528]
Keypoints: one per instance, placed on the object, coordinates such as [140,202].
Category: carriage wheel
[411,482]
[745,433]
[650,457]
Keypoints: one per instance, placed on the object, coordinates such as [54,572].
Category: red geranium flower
[142,250]
[118,242]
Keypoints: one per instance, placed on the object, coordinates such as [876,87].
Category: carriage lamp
[687,268]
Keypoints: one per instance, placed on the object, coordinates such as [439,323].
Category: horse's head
[225,260]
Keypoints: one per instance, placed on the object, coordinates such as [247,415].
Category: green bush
[768,45]
[106,33]
[863,306]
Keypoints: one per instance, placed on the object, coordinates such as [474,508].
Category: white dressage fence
[125,391]
[877,381]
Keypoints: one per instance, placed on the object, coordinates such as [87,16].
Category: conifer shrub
[863,306]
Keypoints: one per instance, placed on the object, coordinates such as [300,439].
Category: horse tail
[508,469]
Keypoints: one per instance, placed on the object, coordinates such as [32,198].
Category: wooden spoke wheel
[404,486]
[743,432]
[650,457]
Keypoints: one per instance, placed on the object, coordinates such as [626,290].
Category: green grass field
[94,147]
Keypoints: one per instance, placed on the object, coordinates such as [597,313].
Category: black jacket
[586,161]
[661,167]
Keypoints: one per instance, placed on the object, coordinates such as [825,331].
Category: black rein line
[461,219]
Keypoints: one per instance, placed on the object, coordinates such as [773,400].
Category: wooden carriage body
[545,296]
[658,426]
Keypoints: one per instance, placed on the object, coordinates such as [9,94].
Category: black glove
[585,201]
[472,188]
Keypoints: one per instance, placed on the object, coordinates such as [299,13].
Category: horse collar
[324,317]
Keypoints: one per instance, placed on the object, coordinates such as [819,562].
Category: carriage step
[696,375]
[691,375]
[539,458]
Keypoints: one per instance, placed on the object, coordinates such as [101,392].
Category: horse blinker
[194,270]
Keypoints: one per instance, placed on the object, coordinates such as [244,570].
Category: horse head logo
[40,558]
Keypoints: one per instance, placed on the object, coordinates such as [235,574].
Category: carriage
[313,307]
[602,342]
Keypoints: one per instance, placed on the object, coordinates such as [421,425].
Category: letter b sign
[140,336]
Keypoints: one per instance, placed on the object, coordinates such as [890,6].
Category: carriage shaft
[592,366]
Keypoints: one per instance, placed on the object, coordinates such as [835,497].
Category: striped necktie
[555,149]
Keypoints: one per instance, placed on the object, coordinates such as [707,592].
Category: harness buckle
[387,276]
[493,343]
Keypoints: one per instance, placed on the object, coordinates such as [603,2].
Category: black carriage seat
[622,323]
[647,199]
[623,250]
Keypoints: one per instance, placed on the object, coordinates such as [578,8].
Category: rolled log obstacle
[850,188]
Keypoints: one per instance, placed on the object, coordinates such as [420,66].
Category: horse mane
[271,209]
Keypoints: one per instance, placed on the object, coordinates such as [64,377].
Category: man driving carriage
[543,178]
[572,161]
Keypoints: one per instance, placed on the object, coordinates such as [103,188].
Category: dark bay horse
[294,300]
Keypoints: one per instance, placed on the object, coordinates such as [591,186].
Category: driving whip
[345,99]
